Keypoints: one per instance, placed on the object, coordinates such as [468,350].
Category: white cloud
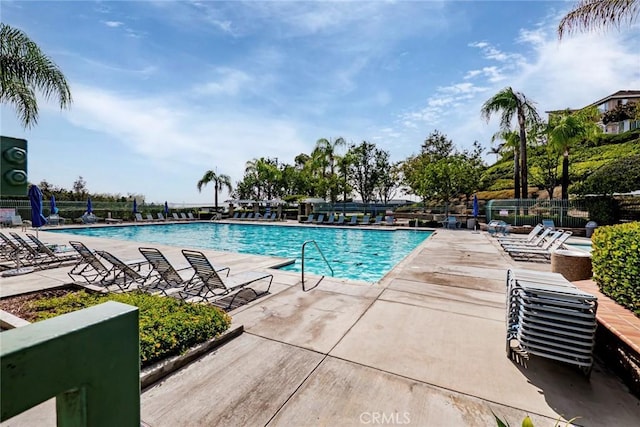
[113,24]
[571,73]
[230,82]
[164,130]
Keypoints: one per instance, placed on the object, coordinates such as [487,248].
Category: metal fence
[73,209]
[564,213]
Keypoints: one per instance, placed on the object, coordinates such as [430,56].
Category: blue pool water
[584,247]
[356,254]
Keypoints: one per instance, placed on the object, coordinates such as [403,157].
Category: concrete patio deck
[424,347]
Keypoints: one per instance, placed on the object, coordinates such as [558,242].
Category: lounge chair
[138,217]
[545,238]
[55,219]
[258,217]
[539,254]
[236,215]
[309,219]
[90,269]
[319,219]
[536,241]
[190,216]
[340,220]
[150,217]
[208,285]
[161,217]
[123,274]
[272,217]
[498,226]
[377,220]
[183,216]
[175,216]
[10,250]
[164,276]
[49,258]
[89,218]
[390,220]
[16,221]
[529,238]
[451,222]
[353,221]
[331,220]
[243,216]
[249,216]
[30,254]
[366,220]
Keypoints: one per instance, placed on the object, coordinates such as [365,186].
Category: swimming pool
[357,254]
[581,246]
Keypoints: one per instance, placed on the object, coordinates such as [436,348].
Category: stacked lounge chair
[549,317]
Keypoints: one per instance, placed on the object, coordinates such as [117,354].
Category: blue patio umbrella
[135,206]
[54,208]
[89,207]
[166,209]
[35,198]
[476,209]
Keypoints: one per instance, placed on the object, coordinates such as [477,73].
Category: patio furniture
[550,318]
[451,222]
[123,274]
[209,286]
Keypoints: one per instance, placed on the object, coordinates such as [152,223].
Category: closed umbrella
[89,207]
[135,206]
[166,209]
[54,208]
[476,211]
[35,198]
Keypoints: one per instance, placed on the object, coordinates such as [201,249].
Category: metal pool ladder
[323,257]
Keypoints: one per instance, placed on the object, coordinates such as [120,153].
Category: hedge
[616,263]
[168,326]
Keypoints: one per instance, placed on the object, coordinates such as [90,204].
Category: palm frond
[597,14]
[24,68]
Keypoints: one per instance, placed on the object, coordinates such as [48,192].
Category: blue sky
[164,91]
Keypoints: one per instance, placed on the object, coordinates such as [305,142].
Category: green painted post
[89,359]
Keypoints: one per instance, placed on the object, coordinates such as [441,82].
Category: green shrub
[619,176]
[616,263]
[603,210]
[168,326]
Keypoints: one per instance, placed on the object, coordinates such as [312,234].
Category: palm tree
[568,129]
[326,157]
[220,181]
[593,14]
[511,104]
[511,143]
[25,69]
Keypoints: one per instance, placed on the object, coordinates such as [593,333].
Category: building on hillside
[612,108]
[616,114]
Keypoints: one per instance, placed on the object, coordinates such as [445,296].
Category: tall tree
[512,104]
[326,156]
[219,182]
[594,14]
[24,70]
[568,129]
[364,172]
[511,144]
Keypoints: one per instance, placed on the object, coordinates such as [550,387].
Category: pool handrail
[323,257]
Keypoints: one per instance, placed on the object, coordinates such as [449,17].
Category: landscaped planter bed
[168,327]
